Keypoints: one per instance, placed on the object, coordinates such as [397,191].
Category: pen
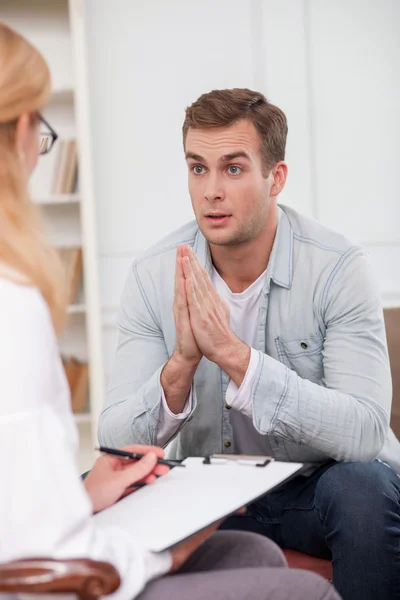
[137,456]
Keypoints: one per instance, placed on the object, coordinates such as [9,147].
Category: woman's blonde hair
[25,254]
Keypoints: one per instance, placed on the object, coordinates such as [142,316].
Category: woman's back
[44,509]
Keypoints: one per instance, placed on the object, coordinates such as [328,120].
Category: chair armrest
[88,579]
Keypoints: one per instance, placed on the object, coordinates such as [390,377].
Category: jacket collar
[282,268]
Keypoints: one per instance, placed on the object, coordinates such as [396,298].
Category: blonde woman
[45,509]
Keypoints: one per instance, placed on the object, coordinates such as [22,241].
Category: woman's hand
[110,476]
[184,550]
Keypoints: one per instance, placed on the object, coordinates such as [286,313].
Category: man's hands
[209,320]
[186,347]
[177,374]
[110,476]
[202,329]
[209,315]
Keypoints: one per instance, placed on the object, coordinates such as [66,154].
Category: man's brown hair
[222,108]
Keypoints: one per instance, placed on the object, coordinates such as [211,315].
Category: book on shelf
[71,259]
[77,373]
[66,173]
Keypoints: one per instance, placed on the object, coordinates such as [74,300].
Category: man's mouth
[217,218]
[217,215]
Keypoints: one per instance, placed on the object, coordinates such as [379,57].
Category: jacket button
[227,444]
[304,345]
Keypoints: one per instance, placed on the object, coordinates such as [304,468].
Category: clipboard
[240,459]
[186,501]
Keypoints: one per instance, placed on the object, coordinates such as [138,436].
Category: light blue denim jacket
[323,386]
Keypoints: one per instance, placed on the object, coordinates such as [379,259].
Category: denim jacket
[323,386]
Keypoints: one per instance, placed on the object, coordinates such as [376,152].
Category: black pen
[137,456]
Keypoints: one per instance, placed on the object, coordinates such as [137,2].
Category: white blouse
[44,508]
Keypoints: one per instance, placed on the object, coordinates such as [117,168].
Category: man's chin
[221,238]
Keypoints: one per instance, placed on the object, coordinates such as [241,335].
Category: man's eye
[198,170]
[234,170]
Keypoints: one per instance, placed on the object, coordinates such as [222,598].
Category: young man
[257,330]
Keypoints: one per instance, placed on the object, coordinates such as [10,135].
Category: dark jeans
[347,512]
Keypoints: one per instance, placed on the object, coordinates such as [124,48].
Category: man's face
[229,191]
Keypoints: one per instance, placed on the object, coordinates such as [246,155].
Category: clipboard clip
[239,459]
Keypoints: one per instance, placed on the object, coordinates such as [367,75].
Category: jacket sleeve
[132,408]
[347,417]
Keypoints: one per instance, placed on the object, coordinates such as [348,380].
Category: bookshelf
[56,28]
[57,199]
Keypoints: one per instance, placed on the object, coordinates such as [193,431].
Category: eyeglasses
[47,138]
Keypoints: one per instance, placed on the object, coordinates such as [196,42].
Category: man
[257,330]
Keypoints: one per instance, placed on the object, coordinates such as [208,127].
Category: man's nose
[214,190]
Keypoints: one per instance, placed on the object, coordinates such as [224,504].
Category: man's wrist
[176,379]
[234,360]
[182,362]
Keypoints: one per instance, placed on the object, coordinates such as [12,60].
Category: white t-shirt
[44,508]
[244,319]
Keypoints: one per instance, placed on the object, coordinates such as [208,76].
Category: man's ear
[279,173]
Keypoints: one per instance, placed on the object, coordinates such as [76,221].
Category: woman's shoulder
[21,303]
[29,357]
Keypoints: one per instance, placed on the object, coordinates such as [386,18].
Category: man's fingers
[185,250]
[191,295]
[180,298]
[198,271]
[204,276]
[180,301]
[178,271]
[190,274]
[183,292]
[207,287]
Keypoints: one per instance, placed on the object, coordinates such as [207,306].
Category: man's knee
[357,491]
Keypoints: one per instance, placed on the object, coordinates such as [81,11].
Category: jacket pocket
[303,355]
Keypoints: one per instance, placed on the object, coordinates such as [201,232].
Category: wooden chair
[392,322]
[87,579]
[298,560]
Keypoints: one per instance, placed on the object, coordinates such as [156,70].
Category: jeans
[346,512]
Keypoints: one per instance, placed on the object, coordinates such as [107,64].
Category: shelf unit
[60,199]
[56,28]
[76,309]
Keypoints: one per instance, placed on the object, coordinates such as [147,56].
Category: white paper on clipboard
[186,501]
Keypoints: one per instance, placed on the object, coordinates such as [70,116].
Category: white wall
[332,66]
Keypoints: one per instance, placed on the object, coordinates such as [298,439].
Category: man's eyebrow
[194,157]
[233,155]
[225,158]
